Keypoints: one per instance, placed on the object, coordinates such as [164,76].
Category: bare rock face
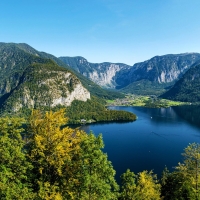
[159,69]
[46,85]
[103,74]
[52,99]
[106,78]
[79,93]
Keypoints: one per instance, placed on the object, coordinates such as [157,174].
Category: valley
[146,101]
[32,79]
[100,100]
[147,114]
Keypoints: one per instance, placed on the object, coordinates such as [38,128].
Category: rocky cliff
[45,85]
[156,73]
[31,81]
[103,74]
[26,50]
[159,69]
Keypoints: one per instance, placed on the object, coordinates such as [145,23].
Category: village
[139,100]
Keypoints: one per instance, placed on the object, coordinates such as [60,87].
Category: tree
[183,183]
[50,149]
[142,186]
[128,185]
[14,166]
[147,186]
[93,175]
[177,187]
[191,166]
[68,163]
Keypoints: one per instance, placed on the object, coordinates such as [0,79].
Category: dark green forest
[94,111]
[41,158]
[187,89]
[91,111]
[146,87]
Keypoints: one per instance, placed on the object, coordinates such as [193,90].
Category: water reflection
[155,140]
[157,115]
[189,113]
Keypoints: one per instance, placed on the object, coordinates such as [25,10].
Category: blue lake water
[155,140]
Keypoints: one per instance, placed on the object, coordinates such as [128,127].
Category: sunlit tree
[93,175]
[14,167]
[184,182]
[128,185]
[147,186]
[50,148]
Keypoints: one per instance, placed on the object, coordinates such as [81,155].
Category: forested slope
[187,88]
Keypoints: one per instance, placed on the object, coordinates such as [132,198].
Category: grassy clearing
[146,101]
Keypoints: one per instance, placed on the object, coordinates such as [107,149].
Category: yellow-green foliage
[68,163]
[147,186]
[142,186]
[50,143]
[51,148]
[54,162]
[13,164]
[183,183]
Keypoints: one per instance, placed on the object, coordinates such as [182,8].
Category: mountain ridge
[94,88]
[101,73]
[159,72]
[153,76]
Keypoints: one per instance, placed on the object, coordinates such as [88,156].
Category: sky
[118,31]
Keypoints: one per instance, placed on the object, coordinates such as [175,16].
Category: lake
[155,140]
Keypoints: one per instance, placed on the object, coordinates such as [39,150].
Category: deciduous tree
[14,167]
[50,148]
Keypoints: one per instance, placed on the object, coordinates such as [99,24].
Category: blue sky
[126,31]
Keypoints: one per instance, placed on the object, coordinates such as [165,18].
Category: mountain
[92,87]
[153,76]
[28,80]
[31,79]
[13,62]
[103,74]
[186,89]
[45,84]
[157,74]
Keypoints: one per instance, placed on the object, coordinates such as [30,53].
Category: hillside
[146,87]
[156,75]
[13,62]
[187,88]
[33,80]
[44,84]
[93,88]
[153,76]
